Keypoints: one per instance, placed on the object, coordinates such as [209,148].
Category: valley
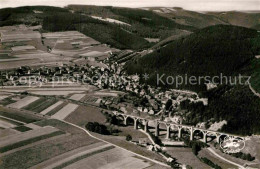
[79,88]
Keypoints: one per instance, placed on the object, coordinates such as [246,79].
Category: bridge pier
[205,136]
[179,132]
[135,123]
[146,126]
[136,119]
[125,121]
[168,131]
[219,136]
[157,129]
[191,133]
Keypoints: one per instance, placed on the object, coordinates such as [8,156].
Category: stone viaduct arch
[170,126]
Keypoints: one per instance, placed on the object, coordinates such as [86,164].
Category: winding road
[224,159]
[152,160]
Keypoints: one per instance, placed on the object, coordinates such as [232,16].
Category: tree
[195,149]
[185,104]
[168,104]
[128,137]
[90,126]
[113,120]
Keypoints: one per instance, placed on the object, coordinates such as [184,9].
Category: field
[5,123]
[23,102]
[79,155]
[21,48]
[121,142]
[45,151]
[185,156]
[106,94]
[34,140]
[65,111]
[3,97]
[77,97]
[8,132]
[54,149]
[9,122]
[22,128]
[84,114]
[213,158]
[57,108]
[110,20]
[75,149]
[91,114]
[40,104]
[26,135]
[253,147]
[56,160]
[55,93]
[5,56]
[19,35]
[253,151]
[45,111]
[6,100]
[26,47]
[18,116]
[59,90]
[17,63]
[111,159]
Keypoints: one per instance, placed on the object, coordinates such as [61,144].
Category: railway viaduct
[172,126]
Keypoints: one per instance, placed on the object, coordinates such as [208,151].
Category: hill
[248,19]
[186,17]
[207,52]
[245,19]
[123,28]
[215,50]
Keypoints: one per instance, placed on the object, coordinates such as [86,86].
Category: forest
[215,50]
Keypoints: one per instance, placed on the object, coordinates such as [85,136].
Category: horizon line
[119,6]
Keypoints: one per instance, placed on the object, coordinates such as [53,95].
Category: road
[253,90]
[152,160]
[224,159]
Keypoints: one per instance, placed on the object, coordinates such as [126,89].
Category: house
[150,147]
[142,92]
[211,86]
[143,141]
[145,110]
[177,119]
[140,109]
[167,119]
[151,112]
[169,160]
[204,101]
[123,109]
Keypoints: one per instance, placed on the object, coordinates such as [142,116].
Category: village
[109,77]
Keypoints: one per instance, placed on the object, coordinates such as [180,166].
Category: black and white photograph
[130,84]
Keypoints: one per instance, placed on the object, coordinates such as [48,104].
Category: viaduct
[172,126]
